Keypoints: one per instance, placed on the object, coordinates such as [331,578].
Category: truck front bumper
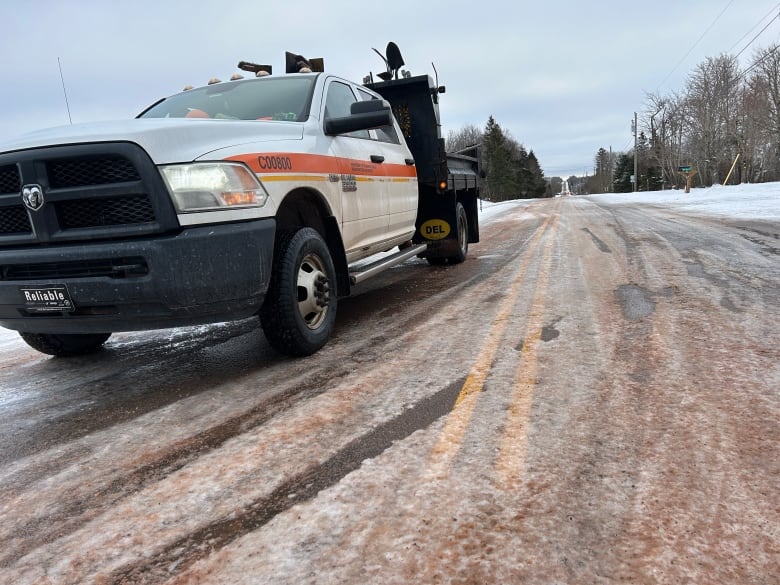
[200,275]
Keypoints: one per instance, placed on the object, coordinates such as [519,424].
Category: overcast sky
[563,77]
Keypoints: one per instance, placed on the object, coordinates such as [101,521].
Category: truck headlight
[213,186]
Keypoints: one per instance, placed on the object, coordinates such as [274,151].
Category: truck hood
[166,140]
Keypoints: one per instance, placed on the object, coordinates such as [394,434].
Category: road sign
[689,174]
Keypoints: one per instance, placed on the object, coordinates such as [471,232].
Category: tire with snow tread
[454,251]
[65,344]
[462,225]
[299,312]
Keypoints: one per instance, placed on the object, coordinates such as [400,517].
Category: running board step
[369,270]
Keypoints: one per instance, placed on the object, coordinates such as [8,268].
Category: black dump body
[443,179]
[415,106]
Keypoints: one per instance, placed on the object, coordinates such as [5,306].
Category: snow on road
[384,518]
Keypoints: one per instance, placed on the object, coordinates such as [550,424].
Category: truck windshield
[269,98]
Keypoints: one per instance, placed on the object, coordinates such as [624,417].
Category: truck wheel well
[302,208]
[306,208]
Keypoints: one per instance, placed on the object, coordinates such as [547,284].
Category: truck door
[400,175]
[363,186]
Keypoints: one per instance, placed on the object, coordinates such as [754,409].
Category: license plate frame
[49,298]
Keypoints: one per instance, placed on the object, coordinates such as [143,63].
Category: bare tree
[763,105]
[712,104]
[665,123]
[464,138]
[754,137]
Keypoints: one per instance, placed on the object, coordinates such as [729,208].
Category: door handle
[377,158]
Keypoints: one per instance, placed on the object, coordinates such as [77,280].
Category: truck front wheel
[299,311]
[65,344]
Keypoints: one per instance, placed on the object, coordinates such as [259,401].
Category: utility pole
[636,157]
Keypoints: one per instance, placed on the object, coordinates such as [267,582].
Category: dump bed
[463,170]
[415,106]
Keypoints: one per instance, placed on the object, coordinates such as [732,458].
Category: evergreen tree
[522,174]
[538,182]
[497,162]
[623,171]
[602,177]
[511,171]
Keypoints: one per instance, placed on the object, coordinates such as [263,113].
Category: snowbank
[759,201]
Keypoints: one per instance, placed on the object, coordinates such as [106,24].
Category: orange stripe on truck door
[292,162]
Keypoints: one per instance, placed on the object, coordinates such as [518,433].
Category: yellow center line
[457,421]
[510,462]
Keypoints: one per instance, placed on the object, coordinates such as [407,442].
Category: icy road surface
[592,397]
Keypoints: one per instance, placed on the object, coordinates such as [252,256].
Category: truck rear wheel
[454,251]
[65,344]
[463,235]
[299,311]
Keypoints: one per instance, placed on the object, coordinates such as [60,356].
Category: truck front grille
[9,179]
[92,192]
[14,220]
[87,213]
[94,170]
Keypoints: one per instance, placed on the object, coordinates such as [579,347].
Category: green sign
[685,169]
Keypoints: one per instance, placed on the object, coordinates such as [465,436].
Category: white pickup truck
[249,197]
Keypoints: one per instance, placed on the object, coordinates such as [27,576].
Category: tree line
[512,172]
[725,120]
[724,123]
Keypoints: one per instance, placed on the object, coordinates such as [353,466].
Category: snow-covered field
[748,201]
[759,201]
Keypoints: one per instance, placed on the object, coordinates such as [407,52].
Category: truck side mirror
[364,115]
[367,106]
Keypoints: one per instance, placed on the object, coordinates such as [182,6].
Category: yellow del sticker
[435,229]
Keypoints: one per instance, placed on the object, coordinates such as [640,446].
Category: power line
[755,26]
[759,61]
[759,33]
[696,43]
[769,53]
